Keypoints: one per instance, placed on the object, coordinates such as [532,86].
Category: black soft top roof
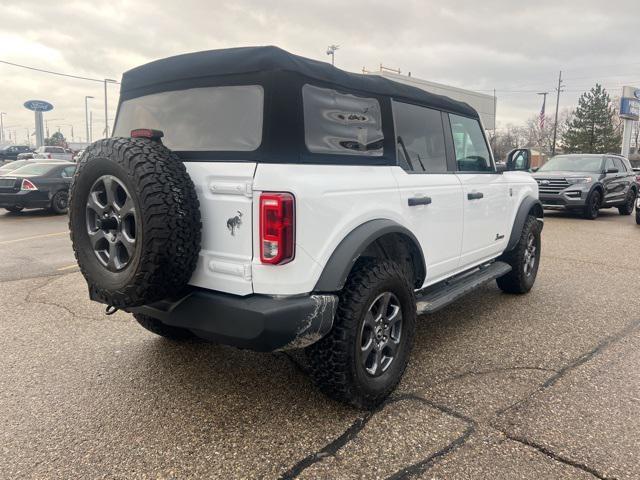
[193,69]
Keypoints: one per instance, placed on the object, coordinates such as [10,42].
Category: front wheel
[364,355]
[524,259]
[627,207]
[592,208]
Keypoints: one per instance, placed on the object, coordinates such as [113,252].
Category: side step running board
[442,294]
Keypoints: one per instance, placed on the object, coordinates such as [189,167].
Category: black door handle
[475,195]
[419,201]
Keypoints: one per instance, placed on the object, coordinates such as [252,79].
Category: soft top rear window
[225,118]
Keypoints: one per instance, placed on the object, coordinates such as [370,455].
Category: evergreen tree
[592,128]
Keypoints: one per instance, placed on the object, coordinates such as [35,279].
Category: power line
[101,80]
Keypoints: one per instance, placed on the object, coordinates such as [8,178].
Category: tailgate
[225,193]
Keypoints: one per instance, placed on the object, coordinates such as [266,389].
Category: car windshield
[34,169]
[573,163]
[13,166]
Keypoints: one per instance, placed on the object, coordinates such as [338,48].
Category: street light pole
[86,116]
[106,110]
[2,114]
[331,50]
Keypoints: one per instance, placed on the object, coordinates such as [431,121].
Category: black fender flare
[335,272]
[527,206]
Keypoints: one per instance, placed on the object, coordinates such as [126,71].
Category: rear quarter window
[340,123]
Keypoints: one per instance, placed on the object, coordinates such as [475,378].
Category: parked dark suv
[587,183]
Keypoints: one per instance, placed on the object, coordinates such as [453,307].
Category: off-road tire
[14,209]
[629,203]
[159,328]
[592,207]
[60,202]
[334,362]
[169,230]
[517,280]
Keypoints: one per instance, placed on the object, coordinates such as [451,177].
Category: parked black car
[588,182]
[37,185]
[11,152]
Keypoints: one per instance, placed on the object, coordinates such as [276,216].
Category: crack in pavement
[356,427]
[425,464]
[558,458]
[577,362]
[552,380]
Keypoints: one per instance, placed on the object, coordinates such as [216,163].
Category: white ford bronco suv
[256,198]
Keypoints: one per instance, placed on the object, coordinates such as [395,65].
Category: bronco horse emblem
[234,223]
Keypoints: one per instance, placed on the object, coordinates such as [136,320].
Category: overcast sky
[515,47]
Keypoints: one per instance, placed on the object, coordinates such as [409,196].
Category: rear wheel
[627,208]
[14,209]
[159,328]
[60,202]
[592,208]
[363,357]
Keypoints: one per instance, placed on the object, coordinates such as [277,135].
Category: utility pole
[555,124]
[86,116]
[90,126]
[331,50]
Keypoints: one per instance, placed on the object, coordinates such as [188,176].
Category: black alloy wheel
[111,222]
[381,334]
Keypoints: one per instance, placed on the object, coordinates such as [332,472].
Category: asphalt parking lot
[545,385]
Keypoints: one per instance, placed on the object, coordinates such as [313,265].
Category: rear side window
[54,150]
[341,124]
[199,119]
[419,138]
[472,153]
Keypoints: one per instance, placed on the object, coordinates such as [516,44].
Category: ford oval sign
[38,105]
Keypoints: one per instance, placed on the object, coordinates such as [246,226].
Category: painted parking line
[68,267]
[46,235]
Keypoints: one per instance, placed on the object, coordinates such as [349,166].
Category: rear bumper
[25,199]
[255,322]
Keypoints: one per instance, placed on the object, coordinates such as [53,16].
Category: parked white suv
[53,153]
[264,200]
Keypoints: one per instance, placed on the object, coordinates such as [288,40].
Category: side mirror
[519,159]
[611,170]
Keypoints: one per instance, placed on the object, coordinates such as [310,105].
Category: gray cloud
[517,49]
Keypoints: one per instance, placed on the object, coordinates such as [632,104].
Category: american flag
[544,101]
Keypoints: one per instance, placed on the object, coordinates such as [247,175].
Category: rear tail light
[48,155]
[27,185]
[277,228]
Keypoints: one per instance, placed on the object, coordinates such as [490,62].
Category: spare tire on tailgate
[134,219]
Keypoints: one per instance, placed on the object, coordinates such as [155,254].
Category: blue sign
[630,108]
[38,105]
